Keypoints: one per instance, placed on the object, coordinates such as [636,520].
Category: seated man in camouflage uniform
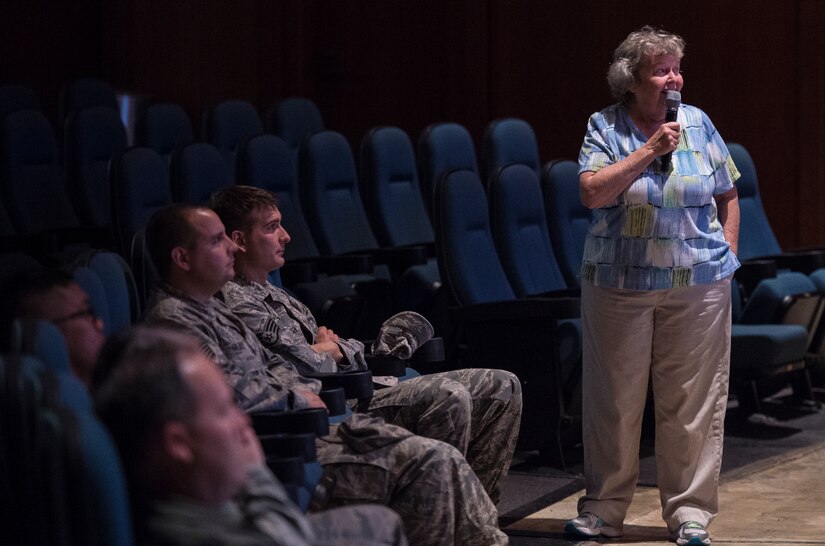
[368,459]
[483,405]
[195,469]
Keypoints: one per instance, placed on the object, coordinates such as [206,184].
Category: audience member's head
[174,418]
[53,296]
[253,222]
[190,249]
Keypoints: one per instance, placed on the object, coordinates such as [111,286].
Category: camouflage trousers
[427,482]
[477,411]
[364,525]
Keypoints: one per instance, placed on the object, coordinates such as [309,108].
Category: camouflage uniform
[263,514]
[369,460]
[478,411]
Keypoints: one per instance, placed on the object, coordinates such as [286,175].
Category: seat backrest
[164,127]
[227,124]
[45,342]
[197,170]
[391,189]
[293,119]
[16,97]
[330,195]
[507,141]
[93,136]
[756,237]
[568,220]
[265,161]
[33,186]
[122,298]
[519,227]
[788,298]
[442,148]
[139,181]
[144,270]
[84,93]
[103,489]
[467,258]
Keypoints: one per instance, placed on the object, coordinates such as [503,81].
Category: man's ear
[180,258]
[239,239]
[176,443]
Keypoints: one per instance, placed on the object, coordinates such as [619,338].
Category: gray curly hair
[632,53]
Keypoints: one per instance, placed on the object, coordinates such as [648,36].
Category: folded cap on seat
[402,334]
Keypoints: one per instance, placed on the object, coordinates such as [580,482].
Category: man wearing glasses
[53,296]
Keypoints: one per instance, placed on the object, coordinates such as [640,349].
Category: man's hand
[312,399]
[326,341]
[325,334]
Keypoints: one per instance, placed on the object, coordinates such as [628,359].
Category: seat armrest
[314,420]
[356,384]
[432,351]
[386,365]
[335,400]
[300,444]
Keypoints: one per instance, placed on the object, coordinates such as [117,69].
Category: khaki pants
[681,339]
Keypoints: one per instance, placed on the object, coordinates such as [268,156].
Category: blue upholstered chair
[227,124]
[568,220]
[497,328]
[507,141]
[197,170]
[443,147]
[772,335]
[85,93]
[293,119]
[15,97]
[164,127]
[140,184]
[757,242]
[93,136]
[398,215]
[33,186]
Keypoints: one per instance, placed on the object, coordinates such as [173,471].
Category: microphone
[672,102]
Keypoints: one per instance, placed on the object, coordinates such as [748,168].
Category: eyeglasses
[87,312]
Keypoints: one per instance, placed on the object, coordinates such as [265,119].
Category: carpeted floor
[782,428]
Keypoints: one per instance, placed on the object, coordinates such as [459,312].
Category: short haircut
[168,228]
[234,205]
[138,388]
[631,54]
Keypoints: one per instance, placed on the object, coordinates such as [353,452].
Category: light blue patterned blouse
[663,231]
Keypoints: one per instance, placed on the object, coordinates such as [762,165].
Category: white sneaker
[692,533]
[590,525]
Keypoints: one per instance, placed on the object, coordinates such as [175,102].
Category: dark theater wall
[754,65]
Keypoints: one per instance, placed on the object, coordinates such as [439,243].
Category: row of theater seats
[345,210]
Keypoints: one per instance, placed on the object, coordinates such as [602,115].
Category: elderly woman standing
[655,293]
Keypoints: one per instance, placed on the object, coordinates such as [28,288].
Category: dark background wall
[755,66]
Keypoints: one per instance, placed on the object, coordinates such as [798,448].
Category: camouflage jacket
[286,327]
[262,381]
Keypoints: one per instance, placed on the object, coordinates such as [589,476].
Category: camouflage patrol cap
[402,334]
